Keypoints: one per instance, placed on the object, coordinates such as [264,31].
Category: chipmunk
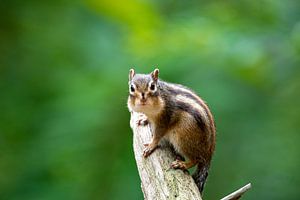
[177,115]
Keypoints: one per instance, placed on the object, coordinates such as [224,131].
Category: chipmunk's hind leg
[184,165]
[178,156]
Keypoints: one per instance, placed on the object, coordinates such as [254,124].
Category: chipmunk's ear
[131,74]
[154,74]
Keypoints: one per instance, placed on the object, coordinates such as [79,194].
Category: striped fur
[185,96]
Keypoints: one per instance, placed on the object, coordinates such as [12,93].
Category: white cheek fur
[131,92]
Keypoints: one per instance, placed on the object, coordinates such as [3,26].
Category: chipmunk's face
[143,92]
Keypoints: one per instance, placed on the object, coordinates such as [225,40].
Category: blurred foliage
[64,125]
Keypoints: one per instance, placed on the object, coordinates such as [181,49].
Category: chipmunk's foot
[178,164]
[149,148]
[142,120]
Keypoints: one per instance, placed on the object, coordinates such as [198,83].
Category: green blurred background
[64,124]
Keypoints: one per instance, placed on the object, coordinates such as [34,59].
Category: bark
[158,180]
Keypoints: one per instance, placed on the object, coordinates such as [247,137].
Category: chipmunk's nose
[143,99]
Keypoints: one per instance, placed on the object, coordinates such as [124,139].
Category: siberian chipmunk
[177,115]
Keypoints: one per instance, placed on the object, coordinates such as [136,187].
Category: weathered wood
[237,194]
[158,181]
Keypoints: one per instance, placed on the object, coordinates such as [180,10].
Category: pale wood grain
[158,181]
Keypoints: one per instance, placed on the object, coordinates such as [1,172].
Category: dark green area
[64,125]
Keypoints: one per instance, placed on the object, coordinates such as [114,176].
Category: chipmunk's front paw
[142,120]
[148,150]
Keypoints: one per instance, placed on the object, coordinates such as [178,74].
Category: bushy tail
[200,176]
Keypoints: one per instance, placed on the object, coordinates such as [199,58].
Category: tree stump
[158,180]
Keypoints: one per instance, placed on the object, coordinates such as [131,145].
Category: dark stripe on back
[188,95]
[189,109]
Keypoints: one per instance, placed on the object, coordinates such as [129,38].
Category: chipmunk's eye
[132,88]
[152,87]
